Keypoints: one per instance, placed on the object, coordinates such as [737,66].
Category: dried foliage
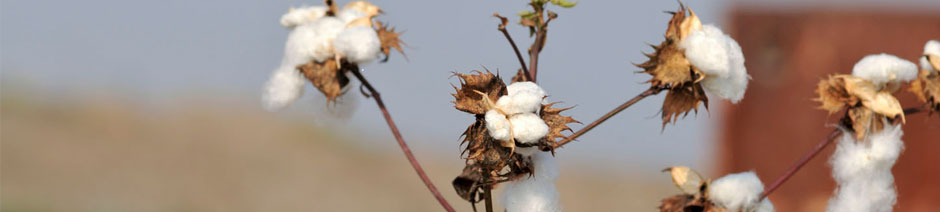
[557,123]
[389,38]
[468,98]
[327,77]
[673,72]
[866,106]
[927,86]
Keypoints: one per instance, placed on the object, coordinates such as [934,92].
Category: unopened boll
[720,58]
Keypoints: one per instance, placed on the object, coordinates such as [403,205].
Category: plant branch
[799,164]
[502,28]
[488,197]
[809,156]
[401,142]
[625,105]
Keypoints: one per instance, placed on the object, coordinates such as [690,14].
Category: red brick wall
[777,121]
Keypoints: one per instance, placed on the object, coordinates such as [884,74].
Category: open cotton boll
[313,41]
[358,44]
[497,125]
[881,69]
[522,97]
[350,14]
[739,192]
[932,47]
[862,171]
[720,58]
[528,127]
[283,88]
[302,15]
[535,193]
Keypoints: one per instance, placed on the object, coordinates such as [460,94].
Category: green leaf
[527,14]
[564,3]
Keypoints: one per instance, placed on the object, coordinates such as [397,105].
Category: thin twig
[806,158]
[809,156]
[488,197]
[401,142]
[502,28]
[625,105]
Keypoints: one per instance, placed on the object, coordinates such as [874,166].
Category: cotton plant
[739,192]
[871,140]
[693,59]
[322,40]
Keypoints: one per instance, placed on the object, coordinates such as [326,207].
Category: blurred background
[109,105]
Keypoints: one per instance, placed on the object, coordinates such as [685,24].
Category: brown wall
[777,121]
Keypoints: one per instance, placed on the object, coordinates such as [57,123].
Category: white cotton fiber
[313,41]
[497,125]
[358,44]
[720,58]
[350,14]
[882,69]
[528,127]
[739,192]
[862,171]
[302,15]
[932,47]
[536,193]
[283,88]
[523,97]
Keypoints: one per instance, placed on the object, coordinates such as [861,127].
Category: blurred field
[110,154]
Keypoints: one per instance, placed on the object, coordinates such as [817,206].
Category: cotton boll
[313,41]
[523,97]
[283,88]
[932,47]
[302,15]
[737,192]
[497,125]
[862,171]
[882,69]
[528,127]
[536,193]
[358,44]
[721,59]
[350,14]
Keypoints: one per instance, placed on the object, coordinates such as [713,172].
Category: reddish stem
[401,142]
[502,28]
[625,105]
[806,158]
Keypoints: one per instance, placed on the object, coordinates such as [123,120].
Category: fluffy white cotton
[350,14]
[932,47]
[536,193]
[313,41]
[862,171]
[882,69]
[497,125]
[720,58]
[283,88]
[739,192]
[359,44]
[523,97]
[528,127]
[302,15]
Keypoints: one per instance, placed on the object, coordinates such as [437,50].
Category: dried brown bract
[673,72]
[865,105]
[927,86]
[557,123]
[694,189]
[389,38]
[327,77]
[467,98]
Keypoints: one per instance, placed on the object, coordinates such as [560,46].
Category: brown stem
[625,105]
[502,28]
[799,164]
[401,142]
[488,198]
[534,53]
[809,156]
